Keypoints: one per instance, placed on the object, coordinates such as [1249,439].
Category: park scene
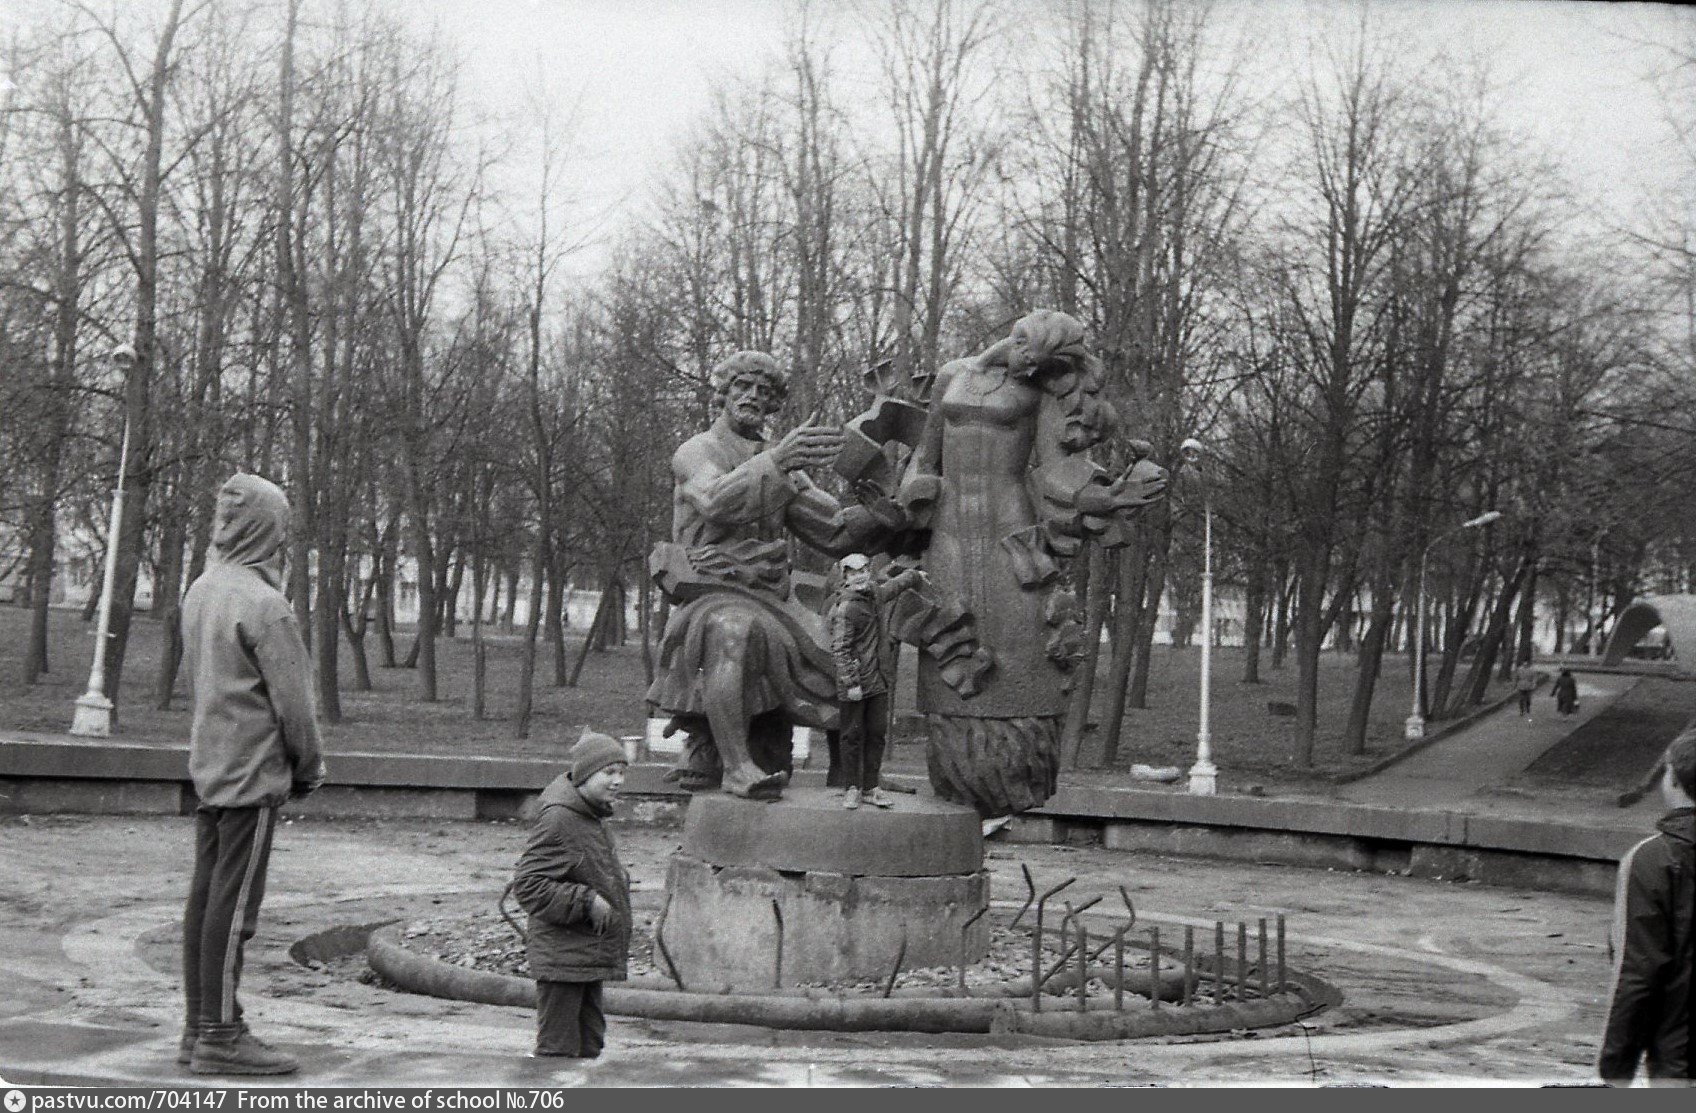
[902,543]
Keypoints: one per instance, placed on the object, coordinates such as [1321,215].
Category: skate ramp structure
[1675,613]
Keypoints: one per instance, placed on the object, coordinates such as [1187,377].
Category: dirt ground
[1443,982]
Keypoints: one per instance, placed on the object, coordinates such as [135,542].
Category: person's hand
[808,446]
[306,784]
[856,693]
[600,913]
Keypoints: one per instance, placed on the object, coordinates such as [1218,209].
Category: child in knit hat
[578,896]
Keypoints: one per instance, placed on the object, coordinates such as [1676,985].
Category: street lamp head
[1191,450]
[1483,519]
[124,356]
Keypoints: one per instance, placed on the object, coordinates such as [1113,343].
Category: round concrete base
[802,890]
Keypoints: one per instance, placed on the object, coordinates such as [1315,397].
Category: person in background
[1651,940]
[1525,683]
[1565,692]
[253,745]
[570,881]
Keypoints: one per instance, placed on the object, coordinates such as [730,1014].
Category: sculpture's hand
[1143,482]
[808,446]
[884,509]
[856,693]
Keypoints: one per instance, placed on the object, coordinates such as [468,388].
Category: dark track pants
[232,847]
[569,1020]
[865,731]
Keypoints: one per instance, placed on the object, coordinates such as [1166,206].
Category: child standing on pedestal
[570,881]
[865,675]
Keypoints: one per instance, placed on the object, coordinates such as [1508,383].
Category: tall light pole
[93,716]
[1204,775]
[1415,729]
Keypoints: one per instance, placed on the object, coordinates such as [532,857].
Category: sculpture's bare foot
[751,783]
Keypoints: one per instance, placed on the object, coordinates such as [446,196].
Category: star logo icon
[15,1101]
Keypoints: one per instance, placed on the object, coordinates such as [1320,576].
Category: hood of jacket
[1680,824]
[251,525]
[562,792]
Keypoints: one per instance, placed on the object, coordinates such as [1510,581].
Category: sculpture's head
[748,387]
[1047,340]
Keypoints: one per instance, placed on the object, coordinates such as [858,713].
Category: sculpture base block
[843,883]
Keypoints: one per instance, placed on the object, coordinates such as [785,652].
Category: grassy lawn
[1251,746]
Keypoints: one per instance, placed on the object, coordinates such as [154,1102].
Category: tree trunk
[1098,590]
[532,624]
[1254,623]
[1371,663]
[1126,614]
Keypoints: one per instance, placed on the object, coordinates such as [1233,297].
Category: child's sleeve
[541,882]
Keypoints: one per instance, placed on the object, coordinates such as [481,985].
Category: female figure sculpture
[1002,479]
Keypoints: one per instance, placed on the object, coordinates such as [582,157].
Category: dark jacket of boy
[571,857]
[1649,1002]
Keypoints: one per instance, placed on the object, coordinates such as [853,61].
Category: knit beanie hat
[1681,759]
[592,753]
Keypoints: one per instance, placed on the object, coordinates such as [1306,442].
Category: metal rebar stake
[1189,964]
[1218,962]
[1119,972]
[1153,968]
[1242,960]
[1265,988]
[1083,966]
[1281,971]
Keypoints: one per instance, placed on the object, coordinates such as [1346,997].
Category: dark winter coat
[1649,1001]
[569,859]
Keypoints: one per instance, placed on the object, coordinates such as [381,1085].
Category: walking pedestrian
[1525,683]
[1565,693]
[1652,939]
[253,745]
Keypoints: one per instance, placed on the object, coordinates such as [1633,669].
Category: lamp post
[1204,775]
[1415,728]
[93,716]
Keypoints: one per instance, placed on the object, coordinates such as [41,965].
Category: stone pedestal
[849,887]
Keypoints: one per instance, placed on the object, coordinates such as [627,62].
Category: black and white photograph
[843,544]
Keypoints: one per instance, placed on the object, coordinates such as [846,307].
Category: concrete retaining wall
[46,774]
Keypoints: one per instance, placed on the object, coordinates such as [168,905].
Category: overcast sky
[1571,77]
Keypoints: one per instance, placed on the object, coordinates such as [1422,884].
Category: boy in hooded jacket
[570,881]
[253,745]
[1653,941]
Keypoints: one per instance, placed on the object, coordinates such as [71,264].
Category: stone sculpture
[742,660]
[1002,481]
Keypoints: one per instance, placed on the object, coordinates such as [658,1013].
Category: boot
[245,1054]
[185,1046]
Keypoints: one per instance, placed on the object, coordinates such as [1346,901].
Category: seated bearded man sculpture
[742,661]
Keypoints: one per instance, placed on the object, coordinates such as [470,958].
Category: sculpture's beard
[748,418]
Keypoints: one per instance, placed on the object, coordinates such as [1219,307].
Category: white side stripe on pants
[227,1007]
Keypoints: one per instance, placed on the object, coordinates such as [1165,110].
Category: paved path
[1469,770]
